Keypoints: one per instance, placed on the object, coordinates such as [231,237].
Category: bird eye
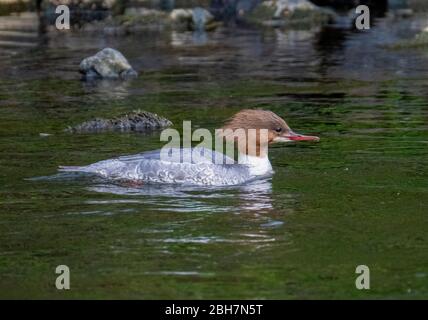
[279,129]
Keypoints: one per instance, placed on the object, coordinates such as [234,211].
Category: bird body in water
[201,166]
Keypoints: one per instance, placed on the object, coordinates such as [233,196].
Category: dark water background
[357,197]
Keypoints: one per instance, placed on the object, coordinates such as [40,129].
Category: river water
[358,197]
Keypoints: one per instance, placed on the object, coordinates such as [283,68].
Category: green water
[359,196]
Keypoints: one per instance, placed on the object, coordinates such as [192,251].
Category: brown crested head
[258,119]
[267,126]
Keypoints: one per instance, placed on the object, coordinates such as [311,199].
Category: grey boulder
[107,64]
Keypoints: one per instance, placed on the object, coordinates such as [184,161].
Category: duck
[252,131]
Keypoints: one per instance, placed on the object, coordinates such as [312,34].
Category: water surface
[357,197]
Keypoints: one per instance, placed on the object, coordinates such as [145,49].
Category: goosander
[200,166]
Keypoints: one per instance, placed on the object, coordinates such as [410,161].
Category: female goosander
[200,166]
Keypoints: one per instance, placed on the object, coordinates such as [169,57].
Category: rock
[290,6]
[136,121]
[200,18]
[142,19]
[181,15]
[107,64]
[290,13]
[196,19]
[144,12]
[137,19]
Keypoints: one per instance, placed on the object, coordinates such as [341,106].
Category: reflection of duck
[253,196]
[200,166]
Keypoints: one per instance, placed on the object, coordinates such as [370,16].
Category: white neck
[258,165]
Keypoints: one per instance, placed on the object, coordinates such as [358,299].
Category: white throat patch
[258,165]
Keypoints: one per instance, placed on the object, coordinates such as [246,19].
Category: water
[357,197]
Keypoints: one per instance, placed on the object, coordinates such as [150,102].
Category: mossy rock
[298,19]
[148,20]
[136,121]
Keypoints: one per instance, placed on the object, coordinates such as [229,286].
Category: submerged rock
[107,64]
[136,121]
